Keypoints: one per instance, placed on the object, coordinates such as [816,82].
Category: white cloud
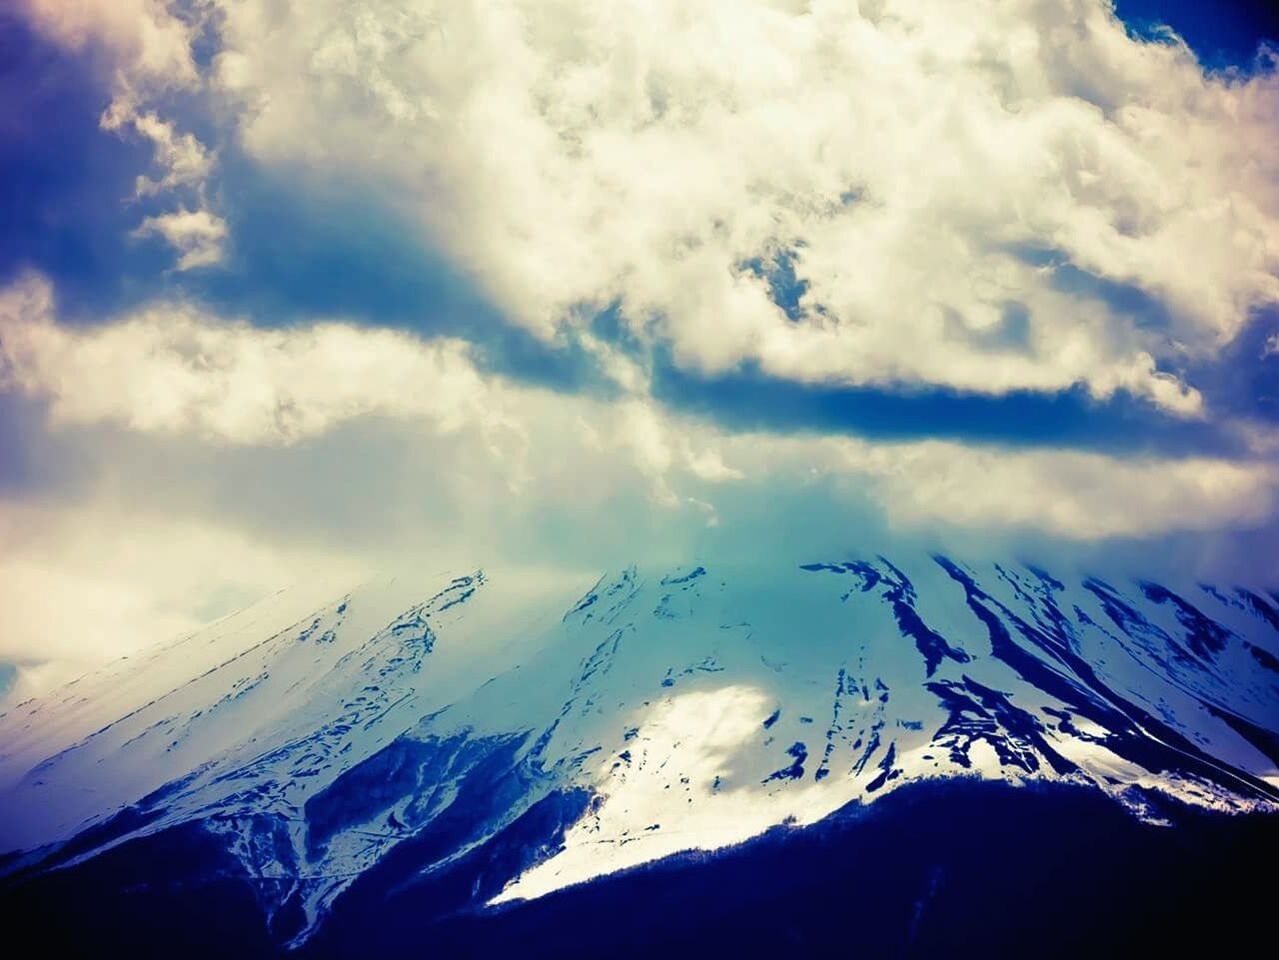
[172,369]
[1070,494]
[579,152]
[197,235]
[184,160]
[576,153]
[148,40]
[149,44]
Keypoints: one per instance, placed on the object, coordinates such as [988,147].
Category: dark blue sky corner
[1222,35]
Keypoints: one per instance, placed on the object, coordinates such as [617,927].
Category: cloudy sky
[299,288]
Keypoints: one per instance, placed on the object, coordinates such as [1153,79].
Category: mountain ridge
[660,711]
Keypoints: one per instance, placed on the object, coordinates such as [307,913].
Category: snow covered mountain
[535,732]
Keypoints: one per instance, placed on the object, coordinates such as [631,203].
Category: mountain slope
[512,726]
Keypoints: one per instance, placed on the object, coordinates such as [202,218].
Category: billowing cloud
[197,235]
[952,202]
[145,36]
[174,371]
[833,192]
[832,196]
[171,369]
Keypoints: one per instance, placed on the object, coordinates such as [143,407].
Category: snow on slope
[696,708]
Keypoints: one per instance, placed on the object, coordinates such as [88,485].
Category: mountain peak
[635,716]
